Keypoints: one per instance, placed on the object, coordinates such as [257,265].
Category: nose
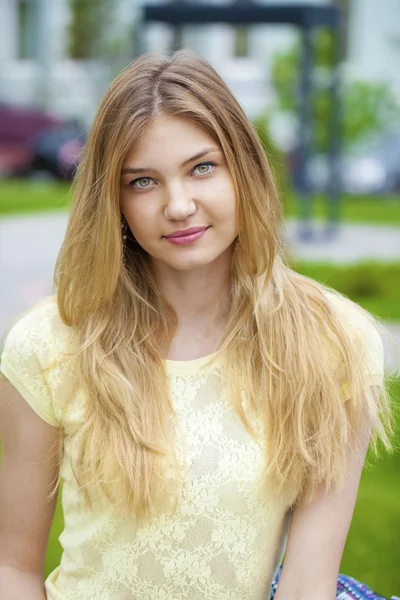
[179,204]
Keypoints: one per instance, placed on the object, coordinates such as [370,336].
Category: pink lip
[185,232]
[187,236]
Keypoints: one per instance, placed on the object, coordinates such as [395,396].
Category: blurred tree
[275,157]
[94,33]
[367,107]
[89,18]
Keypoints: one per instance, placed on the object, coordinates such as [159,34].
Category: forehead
[169,138]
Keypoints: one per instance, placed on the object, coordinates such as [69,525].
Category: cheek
[141,219]
[140,210]
[223,202]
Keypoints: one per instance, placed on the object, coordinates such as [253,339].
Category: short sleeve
[372,353]
[362,328]
[25,362]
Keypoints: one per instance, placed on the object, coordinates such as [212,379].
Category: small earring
[124,234]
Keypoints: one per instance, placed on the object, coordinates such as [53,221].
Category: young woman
[205,406]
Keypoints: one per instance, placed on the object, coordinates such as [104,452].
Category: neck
[199,297]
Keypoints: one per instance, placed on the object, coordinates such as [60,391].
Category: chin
[195,259]
[188,265]
[195,262]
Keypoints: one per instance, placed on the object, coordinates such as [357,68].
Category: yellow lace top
[225,541]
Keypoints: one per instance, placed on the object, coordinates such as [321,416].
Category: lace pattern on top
[225,541]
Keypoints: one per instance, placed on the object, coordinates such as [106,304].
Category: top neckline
[188,366]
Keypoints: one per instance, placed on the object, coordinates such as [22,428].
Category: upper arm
[318,534]
[319,530]
[29,469]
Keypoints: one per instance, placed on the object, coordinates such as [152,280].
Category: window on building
[242,35]
[26,21]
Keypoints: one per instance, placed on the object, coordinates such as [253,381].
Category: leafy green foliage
[372,552]
[274,154]
[89,19]
[368,108]
[373,285]
[94,33]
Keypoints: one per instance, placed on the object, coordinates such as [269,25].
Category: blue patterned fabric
[347,589]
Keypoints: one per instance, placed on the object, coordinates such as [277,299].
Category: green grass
[382,210]
[24,196]
[372,552]
[54,549]
[375,286]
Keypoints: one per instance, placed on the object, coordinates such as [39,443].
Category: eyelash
[208,163]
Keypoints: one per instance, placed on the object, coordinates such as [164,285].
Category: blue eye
[143,182]
[204,168]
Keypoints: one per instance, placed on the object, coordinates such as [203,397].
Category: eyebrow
[138,170]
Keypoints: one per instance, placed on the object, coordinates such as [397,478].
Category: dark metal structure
[306,17]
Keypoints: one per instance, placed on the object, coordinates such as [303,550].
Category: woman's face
[178,196]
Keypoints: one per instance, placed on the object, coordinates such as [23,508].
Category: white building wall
[28,81]
[73,88]
[374,41]
[8,31]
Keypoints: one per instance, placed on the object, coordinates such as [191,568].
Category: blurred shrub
[94,33]
[375,286]
[381,210]
[368,108]
[88,23]
[276,157]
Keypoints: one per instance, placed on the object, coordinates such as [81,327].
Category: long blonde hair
[281,343]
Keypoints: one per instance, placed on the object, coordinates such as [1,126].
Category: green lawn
[375,286]
[23,196]
[372,552]
[355,209]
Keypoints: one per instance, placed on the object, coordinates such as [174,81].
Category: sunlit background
[325,101]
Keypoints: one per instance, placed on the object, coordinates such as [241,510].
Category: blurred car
[18,129]
[370,168]
[32,141]
[58,151]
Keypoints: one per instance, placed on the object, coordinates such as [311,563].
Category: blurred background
[326,104]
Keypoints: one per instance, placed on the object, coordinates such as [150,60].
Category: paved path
[29,247]
[28,250]
[351,243]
